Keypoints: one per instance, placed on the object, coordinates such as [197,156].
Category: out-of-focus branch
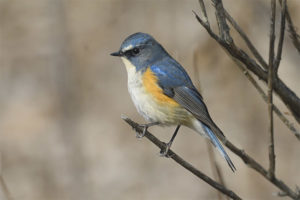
[239,152]
[290,99]
[265,98]
[181,161]
[277,111]
[4,192]
[217,174]
[271,171]
[4,189]
[293,33]
[241,56]
[215,167]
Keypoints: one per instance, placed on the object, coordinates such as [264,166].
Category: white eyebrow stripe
[127,48]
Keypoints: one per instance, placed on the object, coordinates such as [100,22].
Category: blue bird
[163,92]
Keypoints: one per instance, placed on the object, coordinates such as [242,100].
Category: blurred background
[62,95]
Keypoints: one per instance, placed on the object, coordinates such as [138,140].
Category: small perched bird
[163,92]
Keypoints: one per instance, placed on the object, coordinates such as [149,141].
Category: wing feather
[176,84]
[190,100]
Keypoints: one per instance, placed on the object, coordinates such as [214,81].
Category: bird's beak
[118,53]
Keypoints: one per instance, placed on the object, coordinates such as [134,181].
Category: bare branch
[293,33]
[281,38]
[247,40]
[181,161]
[207,27]
[203,10]
[242,57]
[290,99]
[282,89]
[239,152]
[271,171]
[221,19]
[257,167]
[265,98]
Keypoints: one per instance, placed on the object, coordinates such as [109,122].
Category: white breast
[147,106]
[137,92]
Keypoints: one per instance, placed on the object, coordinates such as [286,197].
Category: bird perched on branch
[163,92]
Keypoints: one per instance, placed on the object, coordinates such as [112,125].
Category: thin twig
[221,19]
[281,37]
[290,99]
[248,160]
[242,57]
[277,111]
[181,161]
[203,10]
[271,171]
[235,52]
[247,40]
[265,98]
[293,33]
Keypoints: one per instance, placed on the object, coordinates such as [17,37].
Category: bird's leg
[164,151]
[145,127]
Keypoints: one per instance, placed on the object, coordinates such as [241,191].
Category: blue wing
[176,84]
[171,74]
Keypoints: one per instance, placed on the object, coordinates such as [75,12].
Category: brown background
[61,97]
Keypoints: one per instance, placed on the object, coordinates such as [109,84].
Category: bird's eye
[135,51]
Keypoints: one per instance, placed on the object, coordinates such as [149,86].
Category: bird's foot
[144,127]
[165,150]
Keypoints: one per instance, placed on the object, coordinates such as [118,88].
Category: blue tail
[218,145]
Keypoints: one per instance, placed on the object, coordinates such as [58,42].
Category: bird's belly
[153,107]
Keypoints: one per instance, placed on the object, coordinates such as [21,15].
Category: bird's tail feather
[214,140]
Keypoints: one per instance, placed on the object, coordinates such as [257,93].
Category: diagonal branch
[293,33]
[265,98]
[249,161]
[247,40]
[280,115]
[221,19]
[181,161]
[203,10]
[257,167]
[281,38]
[271,171]
[289,98]
[284,92]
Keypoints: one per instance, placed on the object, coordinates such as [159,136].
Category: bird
[163,93]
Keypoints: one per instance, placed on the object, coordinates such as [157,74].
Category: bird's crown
[137,40]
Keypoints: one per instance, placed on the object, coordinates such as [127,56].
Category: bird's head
[141,50]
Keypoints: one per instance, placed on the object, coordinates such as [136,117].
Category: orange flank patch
[151,86]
